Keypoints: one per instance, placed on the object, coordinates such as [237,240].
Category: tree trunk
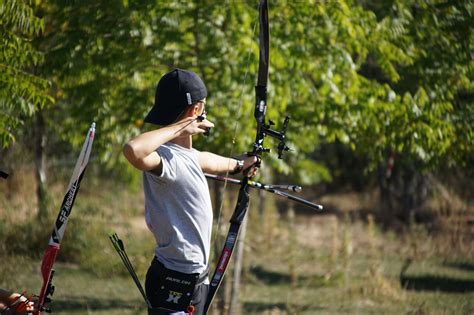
[292,252]
[402,192]
[40,165]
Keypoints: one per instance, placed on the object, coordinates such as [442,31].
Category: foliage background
[372,76]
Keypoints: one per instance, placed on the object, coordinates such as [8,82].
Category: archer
[178,208]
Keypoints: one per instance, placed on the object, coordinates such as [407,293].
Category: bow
[54,244]
[263,130]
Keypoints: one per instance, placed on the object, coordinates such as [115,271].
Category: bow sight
[264,129]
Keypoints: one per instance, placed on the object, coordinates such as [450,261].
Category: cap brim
[152,116]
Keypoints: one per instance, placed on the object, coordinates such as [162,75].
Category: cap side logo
[188,96]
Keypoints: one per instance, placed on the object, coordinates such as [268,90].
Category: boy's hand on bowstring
[193,125]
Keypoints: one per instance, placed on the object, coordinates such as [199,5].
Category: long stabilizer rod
[276,189]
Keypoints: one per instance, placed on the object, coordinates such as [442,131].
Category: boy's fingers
[207,123]
[200,129]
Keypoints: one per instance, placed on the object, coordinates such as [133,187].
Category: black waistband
[202,277]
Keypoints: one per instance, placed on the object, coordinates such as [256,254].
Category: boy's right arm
[141,150]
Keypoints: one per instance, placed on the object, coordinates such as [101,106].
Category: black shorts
[152,286]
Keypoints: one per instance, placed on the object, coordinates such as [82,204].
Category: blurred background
[380,95]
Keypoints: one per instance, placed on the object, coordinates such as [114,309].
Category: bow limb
[261,87]
[264,41]
[54,244]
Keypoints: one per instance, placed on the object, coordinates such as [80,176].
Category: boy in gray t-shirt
[178,209]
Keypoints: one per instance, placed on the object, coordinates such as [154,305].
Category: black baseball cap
[176,91]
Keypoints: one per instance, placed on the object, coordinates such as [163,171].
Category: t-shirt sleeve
[196,156]
[168,162]
[169,167]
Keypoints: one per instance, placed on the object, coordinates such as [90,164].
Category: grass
[365,278]
[319,293]
[337,265]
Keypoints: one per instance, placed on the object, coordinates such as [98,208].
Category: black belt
[202,277]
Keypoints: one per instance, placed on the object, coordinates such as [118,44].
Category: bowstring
[236,128]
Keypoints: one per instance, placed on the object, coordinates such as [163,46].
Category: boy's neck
[185,142]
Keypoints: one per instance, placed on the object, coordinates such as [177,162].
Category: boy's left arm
[216,164]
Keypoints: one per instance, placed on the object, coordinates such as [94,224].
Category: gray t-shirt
[178,210]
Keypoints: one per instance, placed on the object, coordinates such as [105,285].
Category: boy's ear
[195,109]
